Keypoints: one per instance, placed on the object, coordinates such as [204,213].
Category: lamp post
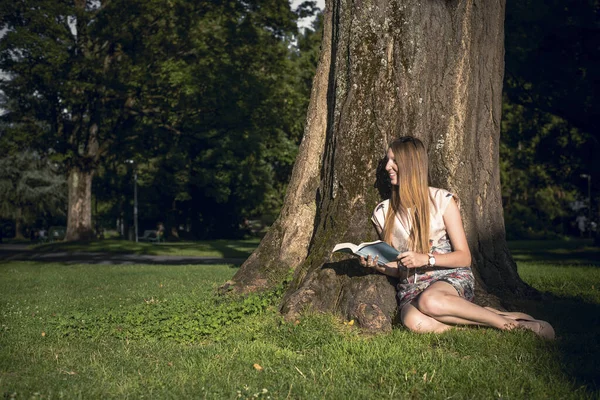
[135,200]
[589,179]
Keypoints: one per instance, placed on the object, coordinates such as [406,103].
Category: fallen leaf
[296,322]
[257,367]
[43,334]
[69,372]
[170,364]
[351,322]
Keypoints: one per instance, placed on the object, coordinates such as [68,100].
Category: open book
[385,252]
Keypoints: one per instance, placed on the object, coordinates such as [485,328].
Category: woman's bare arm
[460,255]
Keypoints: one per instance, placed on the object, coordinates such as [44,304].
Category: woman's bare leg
[510,314]
[439,307]
[441,302]
[416,321]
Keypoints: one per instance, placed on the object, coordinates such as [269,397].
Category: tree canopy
[31,187]
[207,97]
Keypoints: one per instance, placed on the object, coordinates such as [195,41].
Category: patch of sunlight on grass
[210,248]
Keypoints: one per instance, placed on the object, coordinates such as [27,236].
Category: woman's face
[391,167]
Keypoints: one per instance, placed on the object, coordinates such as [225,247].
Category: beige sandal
[541,328]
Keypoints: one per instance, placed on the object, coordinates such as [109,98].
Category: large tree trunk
[431,69]
[79,217]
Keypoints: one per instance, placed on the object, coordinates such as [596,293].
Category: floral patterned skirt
[461,279]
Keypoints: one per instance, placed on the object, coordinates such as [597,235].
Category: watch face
[431,260]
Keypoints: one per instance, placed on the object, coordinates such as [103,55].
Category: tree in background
[237,105]
[31,187]
[243,119]
[205,94]
[71,76]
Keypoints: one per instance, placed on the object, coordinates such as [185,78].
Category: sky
[305,23]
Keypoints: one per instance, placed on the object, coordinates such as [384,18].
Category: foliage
[549,62]
[181,321]
[549,136]
[65,74]
[203,95]
[540,163]
[31,187]
[233,159]
[72,77]
[210,97]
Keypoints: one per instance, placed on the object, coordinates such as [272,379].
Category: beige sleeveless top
[439,242]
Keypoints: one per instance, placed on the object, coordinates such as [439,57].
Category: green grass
[16,241]
[208,248]
[80,331]
[556,252]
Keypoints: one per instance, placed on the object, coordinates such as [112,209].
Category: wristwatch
[431,260]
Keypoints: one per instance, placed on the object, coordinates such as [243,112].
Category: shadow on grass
[117,259]
[576,320]
[122,252]
[574,251]
[577,326]
[208,248]
[109,246]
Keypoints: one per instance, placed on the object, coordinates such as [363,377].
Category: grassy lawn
[80,331]
[208,248]
[556,252]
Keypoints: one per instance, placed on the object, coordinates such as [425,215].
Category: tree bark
[19,224]
[432,69]
[79,217]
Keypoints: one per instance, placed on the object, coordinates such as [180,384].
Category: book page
[346,248]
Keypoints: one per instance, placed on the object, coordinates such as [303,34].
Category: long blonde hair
[410,198]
